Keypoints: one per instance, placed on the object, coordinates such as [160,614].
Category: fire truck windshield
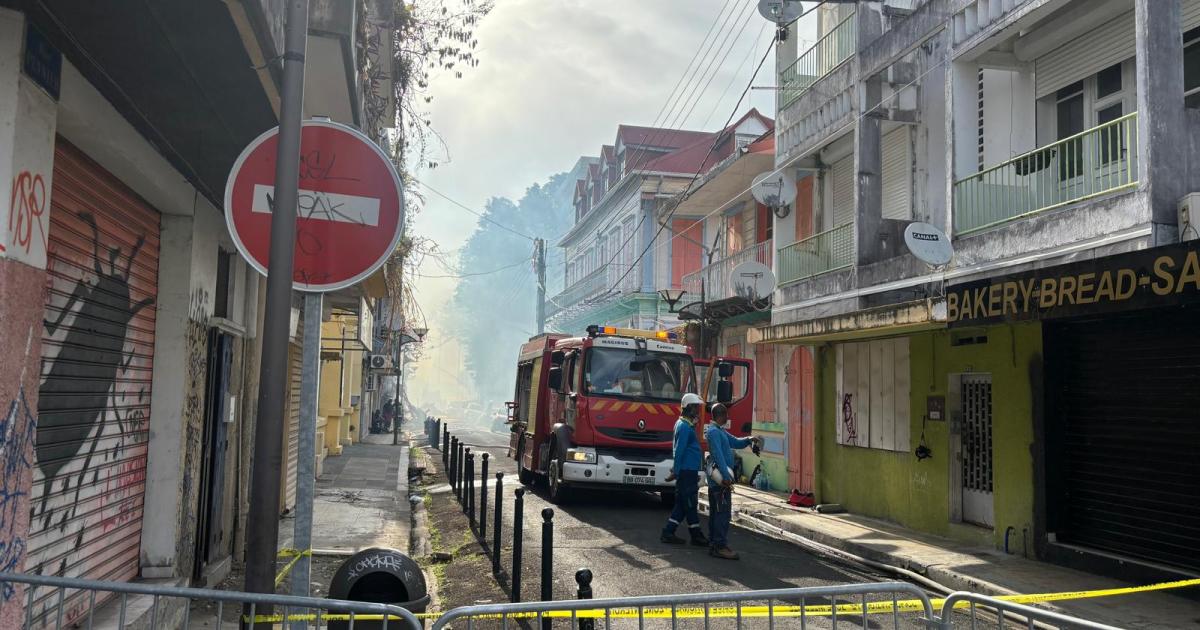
[650,375]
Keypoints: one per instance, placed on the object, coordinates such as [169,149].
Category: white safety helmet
[690,399]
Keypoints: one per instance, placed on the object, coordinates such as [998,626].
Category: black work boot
[698,538]
[671,539]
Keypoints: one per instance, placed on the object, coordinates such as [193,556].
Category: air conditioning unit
[1189,217]
[380,362]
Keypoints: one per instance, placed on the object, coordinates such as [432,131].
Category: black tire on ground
[559,490]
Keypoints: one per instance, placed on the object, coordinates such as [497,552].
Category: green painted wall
[916,494]
[775,466]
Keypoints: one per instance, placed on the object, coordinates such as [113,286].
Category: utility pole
[262,526]
[539,254]
[306,476]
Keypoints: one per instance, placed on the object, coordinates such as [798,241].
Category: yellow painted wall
[895,485]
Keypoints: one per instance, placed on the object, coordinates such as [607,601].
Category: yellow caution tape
[295,555]
[730,611]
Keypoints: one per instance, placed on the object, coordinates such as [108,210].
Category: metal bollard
[497,523]
[454,463]
[469,490]
[547,560]
[462,465]
[446,445]
[518,516]
[483,480]
[583,578]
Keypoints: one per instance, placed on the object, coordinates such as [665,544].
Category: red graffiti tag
[27,206]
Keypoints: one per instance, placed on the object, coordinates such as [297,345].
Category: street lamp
[404,340]
[672,298]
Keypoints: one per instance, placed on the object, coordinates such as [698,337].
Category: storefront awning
[882,321]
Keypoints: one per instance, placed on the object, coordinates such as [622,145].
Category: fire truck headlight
[581,455]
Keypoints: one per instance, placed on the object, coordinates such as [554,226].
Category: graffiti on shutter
[94,398]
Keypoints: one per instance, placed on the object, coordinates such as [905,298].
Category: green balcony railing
[1098,161]
[828,53]
[820,253]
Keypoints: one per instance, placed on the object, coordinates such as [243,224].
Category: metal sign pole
[310,386]
[262,527]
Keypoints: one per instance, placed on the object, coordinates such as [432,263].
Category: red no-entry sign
[350,209]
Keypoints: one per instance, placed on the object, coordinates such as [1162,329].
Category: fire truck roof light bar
[596,331]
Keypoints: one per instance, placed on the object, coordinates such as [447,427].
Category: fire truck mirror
[557,358]
[724,391]
[555,380]
[724,369]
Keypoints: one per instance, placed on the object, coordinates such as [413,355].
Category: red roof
[594,171]
[657,136]
[700,155]
[608,153]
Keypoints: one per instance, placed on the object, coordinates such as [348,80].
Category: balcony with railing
[820,253]
[716,276]
[829,52]
[1099,161]
[610,280]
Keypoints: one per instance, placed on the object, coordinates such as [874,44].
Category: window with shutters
[841,178]
[1191,68]
[897,175]
[873,390]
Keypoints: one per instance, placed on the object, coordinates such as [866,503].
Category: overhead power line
[476,213]
[480,273]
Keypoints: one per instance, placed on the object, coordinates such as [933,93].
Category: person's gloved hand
[670,477]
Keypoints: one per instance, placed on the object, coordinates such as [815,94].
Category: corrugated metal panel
[97,360]
[897,175]
[1086,55]
[842,176]
[1125,430]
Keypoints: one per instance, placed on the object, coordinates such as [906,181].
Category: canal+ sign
[350,207]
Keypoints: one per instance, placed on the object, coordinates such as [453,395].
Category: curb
[952,580]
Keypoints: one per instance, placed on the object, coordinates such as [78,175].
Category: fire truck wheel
[524,476]
[559,491]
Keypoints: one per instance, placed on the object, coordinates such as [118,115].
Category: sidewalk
[963,567]
[361,500]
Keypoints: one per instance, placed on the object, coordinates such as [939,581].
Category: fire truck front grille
[633,435]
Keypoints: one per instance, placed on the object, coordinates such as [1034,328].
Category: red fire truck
[600,410]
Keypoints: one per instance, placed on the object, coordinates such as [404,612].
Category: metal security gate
[291,436]
[978,507]
[97,360]
[1123,431]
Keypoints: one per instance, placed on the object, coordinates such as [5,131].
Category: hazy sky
[555,79]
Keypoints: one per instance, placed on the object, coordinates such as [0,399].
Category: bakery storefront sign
[1161,276]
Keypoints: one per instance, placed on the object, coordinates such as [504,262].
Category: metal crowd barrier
[819,606]
[874,605]
[171,607]
[1031,616]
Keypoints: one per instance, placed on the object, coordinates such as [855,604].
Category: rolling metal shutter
[897,175]
[291,437]
[1125,430]
[97,359]
[842,176]
[1086,55]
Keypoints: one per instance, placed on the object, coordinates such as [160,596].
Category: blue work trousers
[720,512]
[687,501]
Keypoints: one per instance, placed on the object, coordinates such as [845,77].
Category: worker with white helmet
[686,473]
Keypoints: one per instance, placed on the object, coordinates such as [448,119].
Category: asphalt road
[616,536]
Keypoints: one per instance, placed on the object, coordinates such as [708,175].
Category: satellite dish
[752,280]
[928,244]
[775,189]
[780,11]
